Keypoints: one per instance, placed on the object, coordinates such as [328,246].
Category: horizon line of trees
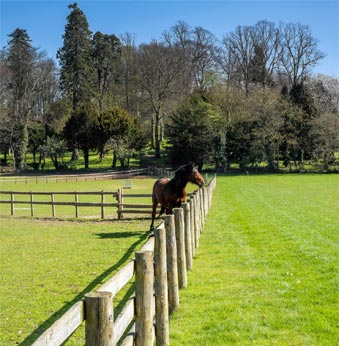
[246,99]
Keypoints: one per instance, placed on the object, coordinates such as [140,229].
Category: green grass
[266,272]
[139,186]
[47,265]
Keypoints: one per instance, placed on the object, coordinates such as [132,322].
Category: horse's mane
[182,168]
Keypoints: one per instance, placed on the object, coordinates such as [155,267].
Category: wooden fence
[76,177]
[117,204]
[160,269]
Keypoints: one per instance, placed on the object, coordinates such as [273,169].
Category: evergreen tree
[21,58]
[190,133]
[301,96]
[81,129]
[75,57]
[106,53]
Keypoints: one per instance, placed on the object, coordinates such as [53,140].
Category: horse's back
[158,190]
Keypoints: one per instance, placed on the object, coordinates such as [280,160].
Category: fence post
[31,202]
[172,265]
[188,236]
[120,204]
[196,219]
[76,204]
[102,205]
[12,204]
[160,286]
[180,238]
[144,277]
[99,319]
[53,206]
[201,211]
[205,202]
[192,217]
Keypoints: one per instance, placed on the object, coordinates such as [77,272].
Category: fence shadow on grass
[90,287]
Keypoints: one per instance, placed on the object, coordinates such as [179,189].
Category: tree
[265,59]
[54,148]
[190,133]
[75,58]
[301,96]
[76,65]
[106,54]
[128,74]
[198,47]
[81,129]
[239,49]
[160,76]
[298,52]
[112,123]
[20,61]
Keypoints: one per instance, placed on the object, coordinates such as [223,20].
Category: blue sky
[45,20]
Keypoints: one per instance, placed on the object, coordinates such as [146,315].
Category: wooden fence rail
[121,208]
[160,268]
[76,177]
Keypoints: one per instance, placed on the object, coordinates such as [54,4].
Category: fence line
[157,288]
[121,207]
[77,177]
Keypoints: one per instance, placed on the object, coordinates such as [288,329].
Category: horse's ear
[190,166]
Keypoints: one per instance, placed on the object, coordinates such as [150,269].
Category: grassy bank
[266,272]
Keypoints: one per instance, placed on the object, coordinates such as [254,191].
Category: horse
[170,193]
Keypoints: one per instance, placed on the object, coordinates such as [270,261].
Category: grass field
[266,272]
[47,265]
[139,186]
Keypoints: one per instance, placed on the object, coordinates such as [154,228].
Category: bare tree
[298,52]
[265,37]
[239,49]
[128,72]
[160,80]
[199,48]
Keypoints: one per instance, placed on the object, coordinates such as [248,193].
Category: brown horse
[170,193]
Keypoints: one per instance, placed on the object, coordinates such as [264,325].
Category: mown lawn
[266,272]
[47,265]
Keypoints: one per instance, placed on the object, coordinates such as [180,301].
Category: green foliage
[190,133]
[55,149]
[20,59]
[81,130]
[76,67]
[240,119]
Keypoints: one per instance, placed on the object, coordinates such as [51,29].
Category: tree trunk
[86,157]
[75,154]
[114,161]
[157,134]
[20,148]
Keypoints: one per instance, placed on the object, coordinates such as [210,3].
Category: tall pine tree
[76,68]
[20,59]
[75,57]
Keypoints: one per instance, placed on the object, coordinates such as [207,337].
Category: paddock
[269,241]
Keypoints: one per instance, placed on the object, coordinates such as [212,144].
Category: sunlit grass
[47,265]
[266,272]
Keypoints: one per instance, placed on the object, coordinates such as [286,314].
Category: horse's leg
[154,211]
[162,210]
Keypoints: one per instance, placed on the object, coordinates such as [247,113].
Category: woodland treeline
[248,99]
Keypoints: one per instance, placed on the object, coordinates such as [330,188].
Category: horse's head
[191,174]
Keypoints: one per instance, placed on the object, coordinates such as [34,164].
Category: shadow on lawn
[45,325]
